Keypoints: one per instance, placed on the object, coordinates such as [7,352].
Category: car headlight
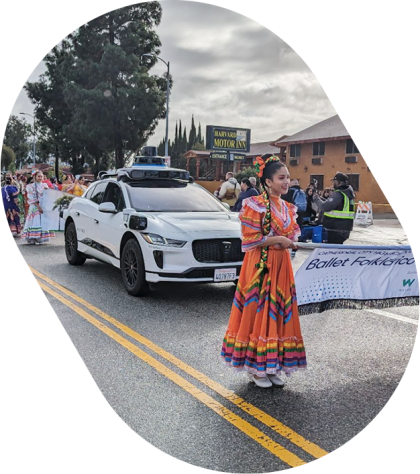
[156,239]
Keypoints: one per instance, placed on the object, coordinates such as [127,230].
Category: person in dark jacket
[337,212]
[294,185]
[290,196]
[247,190]
[310,213]
[253,181]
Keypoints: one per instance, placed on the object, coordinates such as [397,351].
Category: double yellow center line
[254,433]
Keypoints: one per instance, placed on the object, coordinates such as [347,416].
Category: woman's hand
[285,243]
[40,209]
[280,242]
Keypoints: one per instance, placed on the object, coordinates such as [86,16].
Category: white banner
[337,274]
[54,222]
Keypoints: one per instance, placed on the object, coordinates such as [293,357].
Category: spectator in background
[230,190]
[36,228]
[289,196]
[55,184]
[47,182]
[253,181]
[20,198]
[217,191]
[10,193]
[67,183]
[24,183]
[310,213]
[247,191]
[338,210]
[325,194]
[78,187]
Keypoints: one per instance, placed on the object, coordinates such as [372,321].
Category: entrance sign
[228,139]
[219,155]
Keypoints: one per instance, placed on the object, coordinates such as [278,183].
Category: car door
[86,220]
[109,227]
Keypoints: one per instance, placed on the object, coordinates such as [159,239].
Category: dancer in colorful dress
[263,335]
[35,231]
[10,200]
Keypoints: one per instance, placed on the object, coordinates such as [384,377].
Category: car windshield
[172,196]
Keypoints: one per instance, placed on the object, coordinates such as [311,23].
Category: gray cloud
[229,70]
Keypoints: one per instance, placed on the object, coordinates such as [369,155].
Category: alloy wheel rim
[70,243]
[130,268]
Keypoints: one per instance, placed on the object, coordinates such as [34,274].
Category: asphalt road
[355,362]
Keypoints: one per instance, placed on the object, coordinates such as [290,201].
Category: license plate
[225,274]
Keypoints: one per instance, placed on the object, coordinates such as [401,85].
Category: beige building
[315,153]
[320,151]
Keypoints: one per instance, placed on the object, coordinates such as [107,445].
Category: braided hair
[266,166]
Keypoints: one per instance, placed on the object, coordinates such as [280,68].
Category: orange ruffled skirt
[263,334]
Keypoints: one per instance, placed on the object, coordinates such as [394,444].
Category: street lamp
[148,55]
[23,113]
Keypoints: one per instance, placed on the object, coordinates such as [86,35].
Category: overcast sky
[229,71]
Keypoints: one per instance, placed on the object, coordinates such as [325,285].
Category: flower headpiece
[35,171]
[260,164]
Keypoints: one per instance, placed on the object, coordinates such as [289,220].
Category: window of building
[351,147]
[354,181]
[318,180]
[295,151]
[318,149]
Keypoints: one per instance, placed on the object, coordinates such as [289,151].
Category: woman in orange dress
[263,335]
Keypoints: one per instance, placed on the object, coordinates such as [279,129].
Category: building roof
[262,148]
[329,129]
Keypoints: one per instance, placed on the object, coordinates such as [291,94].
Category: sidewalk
[385,215]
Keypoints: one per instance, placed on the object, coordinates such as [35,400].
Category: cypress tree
[174,152]
[184,141]
[193,134]
[199,138]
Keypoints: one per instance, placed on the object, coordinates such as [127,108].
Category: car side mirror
[225,204]
[108,207]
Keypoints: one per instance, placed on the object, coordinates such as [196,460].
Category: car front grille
[218,250]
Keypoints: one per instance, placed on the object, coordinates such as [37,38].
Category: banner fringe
[358,304]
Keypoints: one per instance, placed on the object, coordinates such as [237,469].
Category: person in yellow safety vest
[337,212]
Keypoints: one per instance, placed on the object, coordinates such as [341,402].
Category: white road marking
[393,316]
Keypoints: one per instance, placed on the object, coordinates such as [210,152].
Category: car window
[89,191]
[113,193]
[98,193]
[164,196]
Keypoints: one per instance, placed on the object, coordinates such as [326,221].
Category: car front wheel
[133,271]
[74,257]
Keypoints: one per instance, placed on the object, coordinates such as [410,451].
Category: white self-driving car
[156,225]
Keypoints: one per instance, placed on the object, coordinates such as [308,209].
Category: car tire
[132,269]
[74,257]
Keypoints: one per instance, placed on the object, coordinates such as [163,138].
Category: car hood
[211,224]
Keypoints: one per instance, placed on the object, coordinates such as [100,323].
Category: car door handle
[96,221]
